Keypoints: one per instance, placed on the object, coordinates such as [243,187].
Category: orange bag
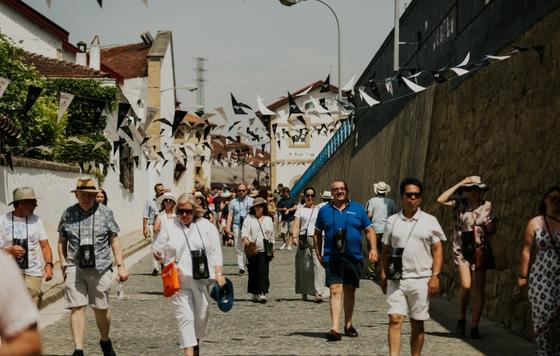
[170,278]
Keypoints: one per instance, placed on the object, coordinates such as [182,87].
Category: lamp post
[293,2]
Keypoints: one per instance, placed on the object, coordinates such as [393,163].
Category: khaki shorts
[409,297]
[33,285]
[87,286]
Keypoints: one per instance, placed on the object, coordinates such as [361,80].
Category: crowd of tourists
[336,240]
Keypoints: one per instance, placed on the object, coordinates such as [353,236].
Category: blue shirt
[151,211]
[381,208]
[240,208]
[353,218]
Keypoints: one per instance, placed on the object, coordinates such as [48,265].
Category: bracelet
[49,263]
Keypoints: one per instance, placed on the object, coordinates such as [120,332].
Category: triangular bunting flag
[64,103]
[413,86]
[262,108]
[100,2]
[294,109]
[150,114]
[136,160]
[326,86]
[123,111]
[33,93]
[368,99]
[177,119]
[148,164]
[306,91]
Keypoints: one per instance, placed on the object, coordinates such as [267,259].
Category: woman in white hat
[474,224]
[166,204]
[257,227]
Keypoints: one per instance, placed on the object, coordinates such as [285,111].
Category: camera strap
[409,233]
[187,238]
[309,221]
[345,218]
[26,228]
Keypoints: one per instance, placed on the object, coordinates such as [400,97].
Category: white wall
[34,38]
[167,110]
[51,187]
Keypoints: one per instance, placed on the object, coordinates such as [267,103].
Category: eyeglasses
[309,195]
[412,194]
[185,212]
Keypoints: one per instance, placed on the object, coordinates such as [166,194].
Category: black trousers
[258,274]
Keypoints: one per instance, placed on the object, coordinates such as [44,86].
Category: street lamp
[293,2]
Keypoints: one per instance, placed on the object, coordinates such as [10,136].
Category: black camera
[23,262]
[302,237]
[340,240]
[200,264]
[86,256]
[395,263]
[468,245]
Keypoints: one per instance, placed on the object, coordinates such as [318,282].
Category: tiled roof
[128,60]
[50,67]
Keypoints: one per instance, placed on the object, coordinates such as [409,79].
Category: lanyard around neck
[26,228]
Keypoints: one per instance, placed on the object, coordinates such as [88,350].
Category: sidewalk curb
[56,292]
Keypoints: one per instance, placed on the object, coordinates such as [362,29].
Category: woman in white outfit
[184,239]
[167,211]
[310,275]
[257,227]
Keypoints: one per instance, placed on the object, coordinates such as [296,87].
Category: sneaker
[460,329]
[333,336]
[475,333]
[155,272]
[283,246]
[289,247]
[107,348]
[78,352]
[262,298]
[241,272]
[351,331]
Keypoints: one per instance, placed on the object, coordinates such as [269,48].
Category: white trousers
[152,239]
[239,247]
[191,312]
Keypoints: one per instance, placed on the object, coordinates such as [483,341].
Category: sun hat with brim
[198,194]
[480,186]
[23,193]
[224,295]
[163,197]
[326,195]
[259,201]
[86,185]
[254,193]
[381,188]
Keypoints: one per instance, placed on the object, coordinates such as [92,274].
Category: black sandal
[351,331]
[333,336]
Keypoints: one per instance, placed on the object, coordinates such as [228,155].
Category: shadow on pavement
[151,293]
[317,334]
[288,299]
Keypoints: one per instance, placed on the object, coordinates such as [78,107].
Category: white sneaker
[290,247]
[262,298]
[283,247]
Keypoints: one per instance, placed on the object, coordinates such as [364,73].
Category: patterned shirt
[151,211]
[79,228]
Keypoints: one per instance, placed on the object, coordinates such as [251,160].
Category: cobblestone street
[144,325]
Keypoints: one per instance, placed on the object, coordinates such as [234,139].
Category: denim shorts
[343,270]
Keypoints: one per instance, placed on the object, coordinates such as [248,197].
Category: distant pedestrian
[23,235]
[339,228]
[379,208]
[326,197]
[310,274]
[87,234]
[151,210]
[258,229]
[543,231]
[18,313]
[167,211]
[194,243]
[237,211]
[287,208]
[101,197]
[202,200]
[412,260]
[475,223]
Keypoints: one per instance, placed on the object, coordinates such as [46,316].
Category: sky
[250,46]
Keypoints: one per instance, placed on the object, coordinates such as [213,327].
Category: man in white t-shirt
[411,279]
[18,315]
[23,235]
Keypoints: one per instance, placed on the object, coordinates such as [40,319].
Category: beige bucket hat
[23,193]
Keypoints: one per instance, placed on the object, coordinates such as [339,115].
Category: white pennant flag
[413,86]
[349,86]
[459,71]
[64,103]
[4,82]
[368,99]
[389,85]
[466,60]
[150,114]
[499,58]
[306,91]
[262,108]
[318,108]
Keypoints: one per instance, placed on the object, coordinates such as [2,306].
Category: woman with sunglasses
[544,281]
[472,255]
[257,227]
[310,274]
[193,243]
[166,211]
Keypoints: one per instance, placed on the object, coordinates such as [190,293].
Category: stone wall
[501,123]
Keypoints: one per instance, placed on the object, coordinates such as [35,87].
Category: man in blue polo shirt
[340,223]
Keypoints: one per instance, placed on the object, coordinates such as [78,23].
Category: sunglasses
[185,212]
[309,195]
[30,202]
[241,190]
[413,194]
[167,201]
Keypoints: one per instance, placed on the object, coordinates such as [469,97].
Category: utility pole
[200,81]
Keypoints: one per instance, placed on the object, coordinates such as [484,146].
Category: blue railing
[323,157]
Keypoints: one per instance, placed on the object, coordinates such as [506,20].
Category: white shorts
[409,297]
[191,312]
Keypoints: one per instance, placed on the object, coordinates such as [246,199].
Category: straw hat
[198,194]
[381,188]
[254,193]
[327,195]
[258,201]
[23,193]
[86,185]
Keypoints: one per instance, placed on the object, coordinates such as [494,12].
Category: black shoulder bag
[302,236]
[198,257]
[268,246]
[23,262]
[86,252]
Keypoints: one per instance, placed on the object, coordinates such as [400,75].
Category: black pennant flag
[177,119]
[32,96]
[164,121]
[182,149]
[8,158]
[160,154]
[116,145]
[237,108]
[123,110]
[112,165]
[274,126]
[136,160]
[326,86]
[100,2]
[207,145]
[148,164]
[164,163]
[294,109]
[146,139]
[300,118]
[126,130]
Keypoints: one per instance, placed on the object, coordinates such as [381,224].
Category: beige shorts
[33,285]
[87,286]
[409,297]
